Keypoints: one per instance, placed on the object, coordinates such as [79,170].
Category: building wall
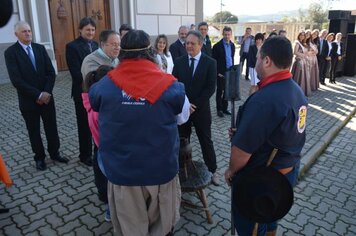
[164,16]
[154,16]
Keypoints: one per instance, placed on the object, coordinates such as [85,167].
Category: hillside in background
[268,17]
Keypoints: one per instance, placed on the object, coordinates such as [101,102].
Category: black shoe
[6,210]
[60,159]
[41,165]
[87,161]
[227,112]
[246,78]
[220,114]
[323,83]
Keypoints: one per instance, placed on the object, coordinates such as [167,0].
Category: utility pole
[221,5]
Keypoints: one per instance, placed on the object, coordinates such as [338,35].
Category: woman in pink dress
[300,72]
[313,61]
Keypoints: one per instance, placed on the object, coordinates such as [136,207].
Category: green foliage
[289,19]
[225,17]
[317,15]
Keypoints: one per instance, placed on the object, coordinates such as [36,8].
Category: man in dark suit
[76,51]
[197,72]
[203,27]
[32,74]
[322,54]
[245,41]
[177,49]
[223,53]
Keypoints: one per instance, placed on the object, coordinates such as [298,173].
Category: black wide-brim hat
[5,12]
[263,195]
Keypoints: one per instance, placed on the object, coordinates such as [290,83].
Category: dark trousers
[322,69]
[221,103]
[32,120]
[244,57]
[84,134]
[101,182]
[201,119]
[333,66]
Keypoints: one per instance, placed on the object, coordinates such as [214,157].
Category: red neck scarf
[281,75]
[141,78]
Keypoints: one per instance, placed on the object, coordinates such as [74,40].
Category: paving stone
[34,226]
[12,230]
[73,215]
[68,227]
[89,221]
[341,228]
[83,230]
[309,229]
[45,231]
[20,219]
[54,220]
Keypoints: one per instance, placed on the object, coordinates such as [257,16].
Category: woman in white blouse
[328,45]
[164,57]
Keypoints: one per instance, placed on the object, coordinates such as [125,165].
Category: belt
[286,170]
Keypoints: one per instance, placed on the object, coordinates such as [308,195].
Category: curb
[312,155]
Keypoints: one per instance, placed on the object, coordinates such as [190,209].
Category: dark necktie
[191,67]
[31,56]
[90,48]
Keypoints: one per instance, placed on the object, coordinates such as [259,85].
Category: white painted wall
[153,6]
[164,16]
[147,23]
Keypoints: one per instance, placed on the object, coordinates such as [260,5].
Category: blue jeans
[244,227]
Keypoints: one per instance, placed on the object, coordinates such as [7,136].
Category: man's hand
[192,108]
[232,132]
[228,176]
[39,102]
[45,98]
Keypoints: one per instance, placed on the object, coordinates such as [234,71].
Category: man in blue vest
[278,111]
[139,142]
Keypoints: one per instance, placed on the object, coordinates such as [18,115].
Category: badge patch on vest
[302,117]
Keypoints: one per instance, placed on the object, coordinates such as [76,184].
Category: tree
[317,15]
[225,17]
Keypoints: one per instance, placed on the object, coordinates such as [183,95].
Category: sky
[261,7]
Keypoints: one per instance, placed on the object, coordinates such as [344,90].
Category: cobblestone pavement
[326,197]
[62,200]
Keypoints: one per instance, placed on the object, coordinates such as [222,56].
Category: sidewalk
[62,200]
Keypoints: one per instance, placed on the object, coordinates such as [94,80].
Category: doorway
[65,16]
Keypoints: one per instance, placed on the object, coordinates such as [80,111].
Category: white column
[34,18]
[115,14]
[41,26]
[133,13]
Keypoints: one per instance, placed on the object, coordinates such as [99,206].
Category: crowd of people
[317,56]
[122,85]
